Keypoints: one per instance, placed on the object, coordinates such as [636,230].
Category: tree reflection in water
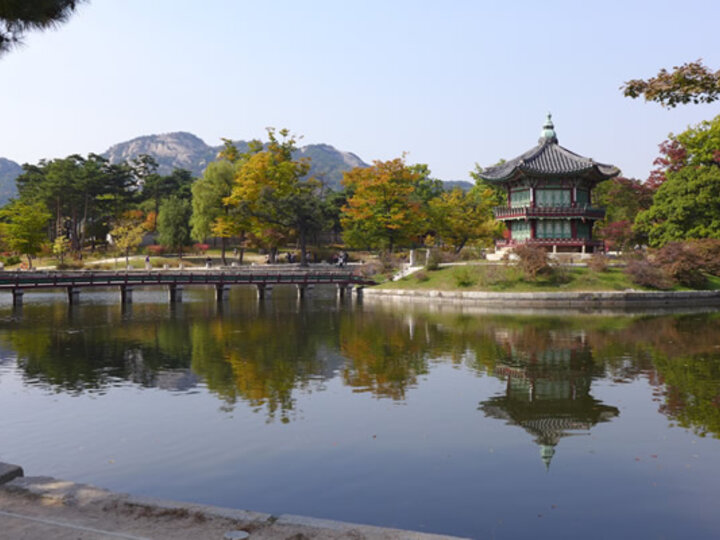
[264,357]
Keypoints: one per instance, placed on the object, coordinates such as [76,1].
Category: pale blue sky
[452,83]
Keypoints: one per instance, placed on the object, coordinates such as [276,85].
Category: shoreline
[630,298]
[44,507]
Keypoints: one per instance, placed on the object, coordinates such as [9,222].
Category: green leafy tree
[687,203]
[459,218]
[384,210]
[692,82]
[24,227]
[20,16]
[622,198]
[60,248]
[127,233]
[210,212]
[173,223]
[270,194]
[686,206]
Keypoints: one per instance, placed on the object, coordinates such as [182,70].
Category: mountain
[178,150]
[186,151]
[462,184]
[9,170]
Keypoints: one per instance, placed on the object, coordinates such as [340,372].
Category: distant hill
[178,150]
[9,171]
[462,184]
[186,151]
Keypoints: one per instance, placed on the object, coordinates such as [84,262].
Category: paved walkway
[39,508]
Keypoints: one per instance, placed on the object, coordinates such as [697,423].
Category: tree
[458,217]
[173,223]
[692,82]
[686,206]
[60,247]
[384,209]
[20,16]
[622,198]
[210,212]
[127,233]
[687,203]
[24,226]
[269,192]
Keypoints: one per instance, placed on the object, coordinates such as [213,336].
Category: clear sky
[451,83]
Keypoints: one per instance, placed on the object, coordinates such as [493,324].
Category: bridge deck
[35,280]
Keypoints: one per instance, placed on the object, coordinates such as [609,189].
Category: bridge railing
[84,278]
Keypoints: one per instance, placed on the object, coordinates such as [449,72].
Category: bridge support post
[304,289]
[264,291]
[18,297]
[126,294]
[175,293]
[73,294]
[222,292]
[359,292]
[345,290]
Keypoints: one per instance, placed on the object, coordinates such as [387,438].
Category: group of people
[340,259]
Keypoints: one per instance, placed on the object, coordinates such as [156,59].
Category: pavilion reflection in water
[548,388]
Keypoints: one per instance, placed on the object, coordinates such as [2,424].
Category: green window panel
[553,197]
[582,196]
[519,197]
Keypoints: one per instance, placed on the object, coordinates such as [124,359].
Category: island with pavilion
[549,196]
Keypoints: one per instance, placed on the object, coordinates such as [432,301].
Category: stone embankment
[36,508]
[630,298]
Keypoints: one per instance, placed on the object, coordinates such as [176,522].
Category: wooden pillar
[18,297]
[344,291]
[359,292]
[73,294]
[304,289]
[126,292]
[264,291]
[222,292]
[175,293]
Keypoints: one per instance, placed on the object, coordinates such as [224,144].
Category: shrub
[646,274]
[532,260]
[492,275]
[10,260]
[155,249]
[371,269]
[682,263]
[389,262]
[464,276]
[708,250]
[421,276]
[200,248]
[598,262]
[70,265]
[433,260]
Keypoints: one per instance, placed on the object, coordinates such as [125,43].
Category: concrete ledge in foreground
[44,507]
[9,472]
[562,299]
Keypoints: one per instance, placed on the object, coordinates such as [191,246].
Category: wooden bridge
[175,281]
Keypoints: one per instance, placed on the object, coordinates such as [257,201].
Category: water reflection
[548,386]
[264,355]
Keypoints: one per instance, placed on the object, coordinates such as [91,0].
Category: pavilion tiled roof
[548,158]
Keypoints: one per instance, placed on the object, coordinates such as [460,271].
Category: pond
[440,419]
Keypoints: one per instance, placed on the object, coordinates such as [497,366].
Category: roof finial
[548,131]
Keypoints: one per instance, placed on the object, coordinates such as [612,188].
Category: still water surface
[441,420]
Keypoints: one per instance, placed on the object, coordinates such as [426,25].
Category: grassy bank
[500,278]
